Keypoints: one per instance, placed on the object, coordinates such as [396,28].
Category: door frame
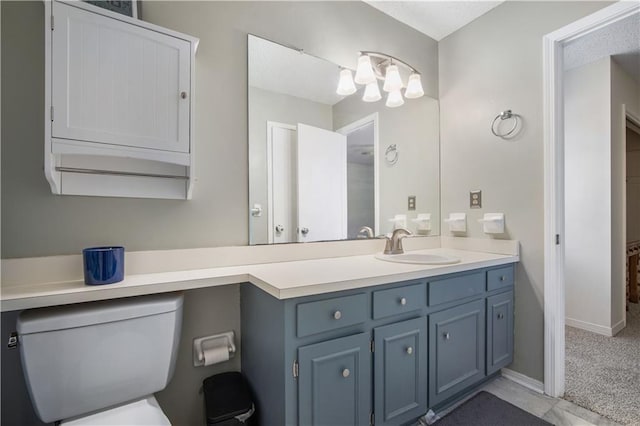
[270,126]
[345,130]
[553,107]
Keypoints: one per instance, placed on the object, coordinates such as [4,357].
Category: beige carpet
[603,373]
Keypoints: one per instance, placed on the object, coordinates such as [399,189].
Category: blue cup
[103,265]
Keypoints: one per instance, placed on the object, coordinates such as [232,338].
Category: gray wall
[493,64]
[36,223]
[266,106]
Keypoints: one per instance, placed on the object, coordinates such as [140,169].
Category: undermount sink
[419,258]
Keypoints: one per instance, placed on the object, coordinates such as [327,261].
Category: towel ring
[505,115]
[391,154]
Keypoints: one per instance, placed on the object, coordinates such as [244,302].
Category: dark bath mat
[485,409]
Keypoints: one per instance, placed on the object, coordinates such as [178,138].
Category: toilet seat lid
[143,412]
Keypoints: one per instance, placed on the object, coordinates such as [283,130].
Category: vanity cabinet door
[457,350]
[117,83]
[400,372]
[499,331]
[334,382]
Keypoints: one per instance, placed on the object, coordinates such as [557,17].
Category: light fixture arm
[381,58]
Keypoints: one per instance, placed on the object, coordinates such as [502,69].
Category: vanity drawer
[399,300]
[499,278]
[329,314]
[450,289]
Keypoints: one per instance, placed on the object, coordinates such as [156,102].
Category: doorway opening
[602,214]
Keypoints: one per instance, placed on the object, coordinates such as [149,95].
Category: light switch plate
[475,199]
[411,203]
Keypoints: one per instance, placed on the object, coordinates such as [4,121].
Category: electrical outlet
[475,199]
[411,203]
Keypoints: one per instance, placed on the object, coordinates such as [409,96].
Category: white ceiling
[437,19]
[284,70]
[620,40]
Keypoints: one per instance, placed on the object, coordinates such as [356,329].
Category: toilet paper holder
[200,344]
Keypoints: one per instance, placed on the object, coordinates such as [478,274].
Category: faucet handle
[387,244]
[365,232]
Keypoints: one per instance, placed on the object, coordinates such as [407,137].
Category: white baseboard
[521,379]
[596,328]
[618,327]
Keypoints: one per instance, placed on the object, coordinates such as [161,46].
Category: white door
[322,184]
[117,83]
[281,183]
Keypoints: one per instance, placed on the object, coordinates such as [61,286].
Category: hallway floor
[603,373]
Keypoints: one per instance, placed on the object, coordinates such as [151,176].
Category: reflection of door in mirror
[306,184]
[362,175]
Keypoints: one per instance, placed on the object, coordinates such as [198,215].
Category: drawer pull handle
[446,336]
[500,316]
[409,350]
[346,373]
[503,278]
[403,301]
[337,315]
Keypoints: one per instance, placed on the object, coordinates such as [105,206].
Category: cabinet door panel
[400,371]
[457,346]
[117,83]
[334,383]
[500,331]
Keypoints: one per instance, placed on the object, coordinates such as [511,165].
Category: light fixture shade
[364,72]
[394,99]
[414,87]
[392,80]
[345,84]
[372,93]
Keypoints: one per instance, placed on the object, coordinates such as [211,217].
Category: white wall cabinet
[119,107]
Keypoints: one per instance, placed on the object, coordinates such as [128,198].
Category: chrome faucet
[394,243]
[365,232]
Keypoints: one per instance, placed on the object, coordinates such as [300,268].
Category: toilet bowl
[100,363]
[143,412]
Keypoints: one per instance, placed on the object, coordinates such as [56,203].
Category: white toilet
[99,363]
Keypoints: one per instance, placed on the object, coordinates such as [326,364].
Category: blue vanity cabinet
[400,371]
[457,350]
[380,355]
[334,385]
[499,331]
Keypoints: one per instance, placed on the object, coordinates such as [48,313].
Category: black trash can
[228,401]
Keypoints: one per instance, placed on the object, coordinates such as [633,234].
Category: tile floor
[556,411]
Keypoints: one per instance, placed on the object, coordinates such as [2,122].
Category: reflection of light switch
[475,199]
[412,202]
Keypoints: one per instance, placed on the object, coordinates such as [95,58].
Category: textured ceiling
[620,40]
[437,19]
[280,69]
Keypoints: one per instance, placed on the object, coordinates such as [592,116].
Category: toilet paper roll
[215,353]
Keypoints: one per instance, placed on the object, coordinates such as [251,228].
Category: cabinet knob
[304,231]
[337,315]
[446,336]
[183,95]
[500,315]
[279,229]
[503,278]
[403,301]
[346,373]
[409,350]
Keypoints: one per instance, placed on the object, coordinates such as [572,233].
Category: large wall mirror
[324,166]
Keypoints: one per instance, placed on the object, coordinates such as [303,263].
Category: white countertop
[282,280]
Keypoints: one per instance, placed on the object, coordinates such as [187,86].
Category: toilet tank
[86,357]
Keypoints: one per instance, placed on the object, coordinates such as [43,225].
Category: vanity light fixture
[345,85]
[372,92]
[374,66]
[394,99]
